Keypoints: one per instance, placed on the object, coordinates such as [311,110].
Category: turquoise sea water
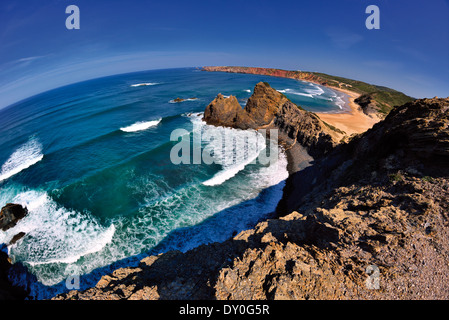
[91,161]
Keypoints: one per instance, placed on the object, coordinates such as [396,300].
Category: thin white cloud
[31,81]
[343,39]
[27,59]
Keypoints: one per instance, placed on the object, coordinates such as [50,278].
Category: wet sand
[352,121]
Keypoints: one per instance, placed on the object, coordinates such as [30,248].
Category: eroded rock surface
[371,222]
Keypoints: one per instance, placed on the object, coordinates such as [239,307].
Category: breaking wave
[144,84]
[24,157]
[54,235]
[142,125]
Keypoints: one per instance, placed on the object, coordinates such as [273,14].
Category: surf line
[218,140]
[141,125]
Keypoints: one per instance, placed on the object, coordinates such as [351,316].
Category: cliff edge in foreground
[368,219]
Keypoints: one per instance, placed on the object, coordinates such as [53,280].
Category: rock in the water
[264,103]
[182,100]
[365,207]
[10,214]
[269,109]
[17,237]
[227,112]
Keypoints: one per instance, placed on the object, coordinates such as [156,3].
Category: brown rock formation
[298,75]
[376,101]
[10,214]
[369,221]
[264,104]
[227,112]
[259,111]
[307,129]
[365,101]
[268,108]
[177,100]
[418,129]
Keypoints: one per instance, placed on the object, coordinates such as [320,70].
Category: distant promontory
[376,101]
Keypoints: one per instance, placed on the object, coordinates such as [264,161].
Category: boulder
[264,103]
[10,214]
[227,112]
[270,109]
[182,100]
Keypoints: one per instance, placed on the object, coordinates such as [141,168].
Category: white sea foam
[54,234]
[315,90]
[144,84]
[233,149]
[142,125]
[339,102]
[25,156]
[59,240]
[237,208]
[229,172]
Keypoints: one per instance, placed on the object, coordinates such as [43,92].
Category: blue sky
[410,51]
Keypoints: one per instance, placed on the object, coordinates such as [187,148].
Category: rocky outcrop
[376,101]
[264,104]
[370,223]
[416,131]
[177,100]
[365,101]
[297,75]
[10,214]
[307,129]
[227,112]
[270,109]
[413,137]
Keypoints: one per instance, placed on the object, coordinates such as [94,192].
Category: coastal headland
[362,216]
[367,104]
[366,218]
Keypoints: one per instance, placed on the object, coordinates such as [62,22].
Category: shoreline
[352,120]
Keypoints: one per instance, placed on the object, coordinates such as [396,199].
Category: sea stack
[270,109]
[10,214]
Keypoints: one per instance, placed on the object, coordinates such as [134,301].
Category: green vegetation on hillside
[385,97]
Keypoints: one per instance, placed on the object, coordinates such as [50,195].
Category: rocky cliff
[376,101]
[270,109]
[298,75]
[10,214]
[368,219]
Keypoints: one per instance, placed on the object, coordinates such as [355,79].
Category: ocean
[92,163]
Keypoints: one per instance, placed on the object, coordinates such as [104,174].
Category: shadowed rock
[10,214]
[269,109]
[381,200]
[227,112]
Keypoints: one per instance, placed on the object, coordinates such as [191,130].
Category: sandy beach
[354,121]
